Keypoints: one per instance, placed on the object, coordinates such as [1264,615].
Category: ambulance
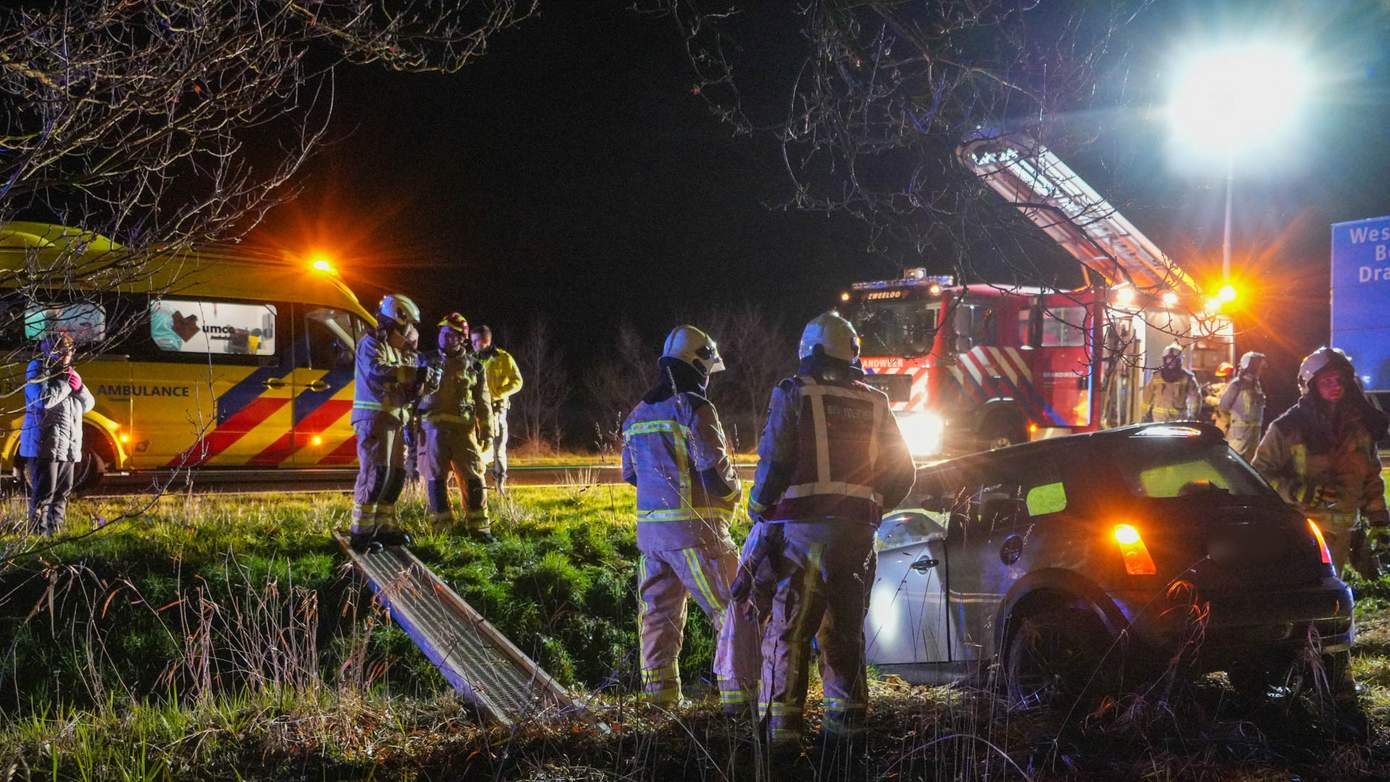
[208,359]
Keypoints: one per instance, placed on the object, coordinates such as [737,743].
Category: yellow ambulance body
[211,360]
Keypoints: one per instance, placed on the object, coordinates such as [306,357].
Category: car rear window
[1177,467]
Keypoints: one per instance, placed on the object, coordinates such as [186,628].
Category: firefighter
[55,399]
[674,453]
[1211,397]
[1321,456]
[503,380]
[1243,404]
[1172,393]
[453,419]
[830,460]
[387,379]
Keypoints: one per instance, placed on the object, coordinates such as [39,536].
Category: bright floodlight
[323,265]
[1237,97]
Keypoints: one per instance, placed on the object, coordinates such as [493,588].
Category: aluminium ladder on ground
[477,660]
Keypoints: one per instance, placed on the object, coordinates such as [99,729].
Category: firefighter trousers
[824,572]
[450,447]
[380,472]
[664,580]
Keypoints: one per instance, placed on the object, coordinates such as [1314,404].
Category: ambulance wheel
[87,474]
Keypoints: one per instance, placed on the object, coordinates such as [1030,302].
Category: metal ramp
[477,660]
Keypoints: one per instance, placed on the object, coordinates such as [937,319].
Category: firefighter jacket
[1306,449]
[1243,402]
[830,450]
[383,377]
[53,413]
[674,452]
[503,377]
[462,396]
[1211,405]
[1176,397]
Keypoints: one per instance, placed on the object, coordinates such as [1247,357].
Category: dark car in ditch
[1069,565]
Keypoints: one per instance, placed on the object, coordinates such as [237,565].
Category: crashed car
[1074,564]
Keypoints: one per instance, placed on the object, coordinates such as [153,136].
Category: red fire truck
[980,365]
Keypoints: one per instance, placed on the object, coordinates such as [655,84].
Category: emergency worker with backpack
[831,460]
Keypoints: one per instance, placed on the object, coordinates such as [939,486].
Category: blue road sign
[1361,297]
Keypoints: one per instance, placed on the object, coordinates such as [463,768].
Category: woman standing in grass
[55,400]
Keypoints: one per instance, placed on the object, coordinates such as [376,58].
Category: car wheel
[1055,658]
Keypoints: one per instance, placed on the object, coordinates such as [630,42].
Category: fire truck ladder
[1061,203]
[477,660]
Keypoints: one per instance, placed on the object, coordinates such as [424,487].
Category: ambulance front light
[934,289]
[923,432]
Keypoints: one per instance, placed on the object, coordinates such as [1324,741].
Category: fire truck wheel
[1002,430]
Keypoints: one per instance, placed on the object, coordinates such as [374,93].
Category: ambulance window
[332,339]
[218,328]
[85,321]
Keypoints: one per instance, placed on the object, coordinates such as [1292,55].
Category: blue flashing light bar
[912,278]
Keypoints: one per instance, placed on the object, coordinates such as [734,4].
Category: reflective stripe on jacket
[830,450]
[381,373]
[667,446]
[503,377]
[1350,468]
[53,412]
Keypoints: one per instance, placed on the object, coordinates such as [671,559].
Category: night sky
[572,172]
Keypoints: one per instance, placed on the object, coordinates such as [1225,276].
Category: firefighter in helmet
[453,418]
[1243,404]
[1321,456]
[1172,393]
[831,459]
[388,377]
[674,453]
[1211,397]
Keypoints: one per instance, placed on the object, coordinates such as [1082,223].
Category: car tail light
[1322,543]
[1132,549]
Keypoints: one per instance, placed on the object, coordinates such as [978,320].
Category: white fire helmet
[1321,359]
[1173,349]
[835,336]
[398,309]
[695,348]
[1252,360]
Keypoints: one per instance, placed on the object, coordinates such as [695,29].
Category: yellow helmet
[834,335]
[695,348]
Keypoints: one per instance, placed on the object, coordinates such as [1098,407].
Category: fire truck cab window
[896,328]
[330,338]
[974,325]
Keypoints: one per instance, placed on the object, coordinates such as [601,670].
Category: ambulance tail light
[1133,551]
[1323,550]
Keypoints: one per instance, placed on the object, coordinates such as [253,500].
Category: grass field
[224,638]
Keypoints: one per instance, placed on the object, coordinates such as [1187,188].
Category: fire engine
[969,366]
